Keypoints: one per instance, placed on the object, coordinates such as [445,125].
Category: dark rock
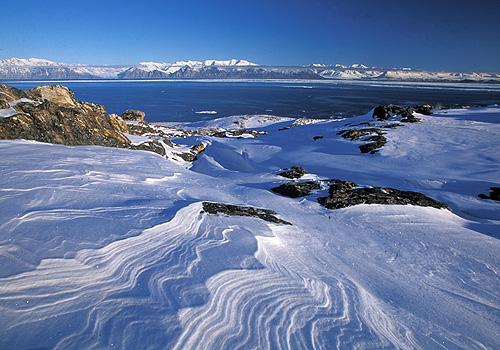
[337,185]
[236,210]
[296,189]
[375,144]
[424,109]
[143,129]
[375,138]
[380,113]
[385,112]
[408,117]
[355,134]
[133,115]
[494,194]
[187,156]
[294,173]
[315,138]
[342,196]
[151,146]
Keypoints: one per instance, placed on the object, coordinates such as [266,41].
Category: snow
[32,62]
[206,112]
[103,247]
[35,68]
[221,63]
[137,139]
[8,112]
[240,122]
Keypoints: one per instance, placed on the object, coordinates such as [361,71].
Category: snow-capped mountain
[42,69]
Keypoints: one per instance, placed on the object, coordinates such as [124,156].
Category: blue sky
[438,34]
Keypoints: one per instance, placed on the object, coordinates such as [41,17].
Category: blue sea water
[201,100]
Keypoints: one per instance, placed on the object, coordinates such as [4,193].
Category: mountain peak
[32,62]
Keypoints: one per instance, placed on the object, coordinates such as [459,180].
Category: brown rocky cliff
[55,116]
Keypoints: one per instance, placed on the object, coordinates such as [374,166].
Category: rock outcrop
[58,94]
[424,109]
[193,152]
[150,146]
[9,94]
[295,172]
[493,195]
[296,189]
[236,210]
[390,111]
[374,138]
[344,194]
[52,114]
[133,115]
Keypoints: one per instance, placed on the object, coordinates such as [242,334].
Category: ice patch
[206,112]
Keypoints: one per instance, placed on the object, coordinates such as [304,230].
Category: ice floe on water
[206,112]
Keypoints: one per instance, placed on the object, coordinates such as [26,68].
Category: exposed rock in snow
[344,196]
[294,172]
[236,210]
[296,189]
[133,115]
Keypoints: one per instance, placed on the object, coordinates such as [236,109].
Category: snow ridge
[103,247]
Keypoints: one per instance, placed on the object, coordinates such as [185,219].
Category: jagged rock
[133,115]
[375,139]
[424,109]
[151,146]
[339,185]
[236,210]
[380,113]
[65,121]
[143,129]
[408,117]
[9,94]
[315,138]
[294,172]
[385,112]
[118,123]
[193,153]
[296,189]
[375,144]
[342,196]
[198,148]
[355,134]
[230,133]
[57,94]
[494,194]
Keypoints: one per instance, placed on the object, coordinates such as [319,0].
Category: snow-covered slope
[110,248]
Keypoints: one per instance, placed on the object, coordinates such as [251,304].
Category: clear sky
[430,34]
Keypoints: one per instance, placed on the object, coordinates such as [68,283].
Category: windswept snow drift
[103,247]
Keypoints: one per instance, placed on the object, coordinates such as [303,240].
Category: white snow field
[109,248]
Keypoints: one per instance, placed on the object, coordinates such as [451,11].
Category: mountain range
[43,69]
